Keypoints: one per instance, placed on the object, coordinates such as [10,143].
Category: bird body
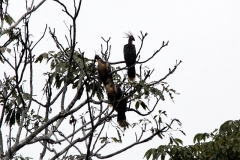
[130,56]
[104,69]
[111,90]
[115,96]
[121,107]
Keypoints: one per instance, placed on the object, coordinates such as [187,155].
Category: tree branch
[22,17]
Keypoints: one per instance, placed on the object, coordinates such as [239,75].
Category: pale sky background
[203,34]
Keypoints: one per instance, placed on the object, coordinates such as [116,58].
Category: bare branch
[130,146]
[65,8]
[40,38]
[163,45]
[22,17]
[170,72]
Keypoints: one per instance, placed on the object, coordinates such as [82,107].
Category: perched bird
[111,90]
[130,56]
[115,96]
[104,69]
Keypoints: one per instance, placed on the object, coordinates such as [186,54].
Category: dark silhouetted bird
[130,56]
[104,69]
[115,96]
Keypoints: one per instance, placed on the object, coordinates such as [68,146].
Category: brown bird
[115,96]
[111,90]
[130,56]
[104,69]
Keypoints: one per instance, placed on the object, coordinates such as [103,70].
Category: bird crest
[128,34]
[130,37]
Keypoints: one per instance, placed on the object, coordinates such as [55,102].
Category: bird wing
[129,54]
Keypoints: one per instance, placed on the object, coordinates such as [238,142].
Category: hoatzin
[115,96]
[104,69]
[130,56]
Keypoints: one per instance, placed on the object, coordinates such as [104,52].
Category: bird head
[130,37]
[97,57]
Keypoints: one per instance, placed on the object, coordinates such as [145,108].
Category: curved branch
[66,11]
[69,146]
[142,39]
[141,114]
[170,72]
[163,45]
[130,146]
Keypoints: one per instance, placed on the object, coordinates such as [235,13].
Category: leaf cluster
[221,144]
[59,64]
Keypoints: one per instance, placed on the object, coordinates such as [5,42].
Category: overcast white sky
[203,34]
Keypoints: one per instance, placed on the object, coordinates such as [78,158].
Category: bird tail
[131,73]
[121,118]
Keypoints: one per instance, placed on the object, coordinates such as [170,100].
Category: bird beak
[133,39]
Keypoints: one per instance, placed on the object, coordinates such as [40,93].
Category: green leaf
[37,116]
[183,132]
[159,120]
[40,57]
[144,106]
[19,100]
[170,140]
[52,64]
[145,87]
[163,155]
[18,114]
[160,135]
[195,138]
[58,81]
[13,118]
[148,154]
[8,50]
[177,141]
[153,152]
[103,139]
[115,139]
[152,130]
[36,125]
[7,119]
[119,136]
[26,96]
[137,105]
[1,59]
[9,19]
[14,93]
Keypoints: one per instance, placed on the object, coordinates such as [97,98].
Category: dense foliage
[221,144]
